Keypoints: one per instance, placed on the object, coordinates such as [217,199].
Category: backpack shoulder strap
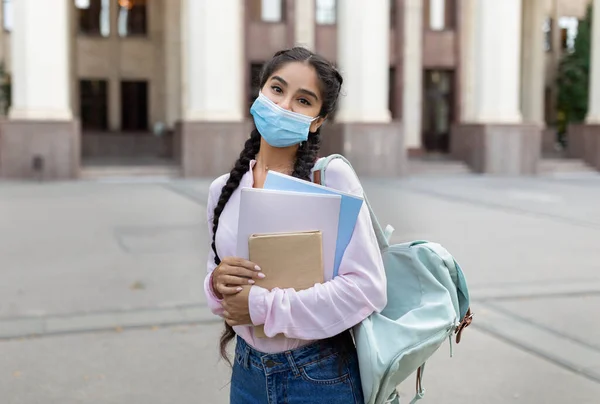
[319,177]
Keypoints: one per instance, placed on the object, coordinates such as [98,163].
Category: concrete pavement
[101,289]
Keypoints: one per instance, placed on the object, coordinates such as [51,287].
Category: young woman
[312,358]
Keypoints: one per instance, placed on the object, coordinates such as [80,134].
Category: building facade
[172,81]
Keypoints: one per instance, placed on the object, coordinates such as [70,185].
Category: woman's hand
[237,310]
[233,273]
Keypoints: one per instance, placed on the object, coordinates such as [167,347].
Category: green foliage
[573,77]
[5,89]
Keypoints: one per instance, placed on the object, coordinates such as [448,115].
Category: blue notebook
[349,208]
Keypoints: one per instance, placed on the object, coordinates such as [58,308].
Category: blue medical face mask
[278,126]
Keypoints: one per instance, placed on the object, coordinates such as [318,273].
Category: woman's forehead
[299,75]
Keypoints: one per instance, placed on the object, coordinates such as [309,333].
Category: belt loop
[292,363]
[246,357]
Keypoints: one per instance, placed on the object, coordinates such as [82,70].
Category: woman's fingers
[236,280]
[241,272]
[242,263]
[233,273]
[228,290]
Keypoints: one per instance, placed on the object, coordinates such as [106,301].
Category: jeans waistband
[293,359]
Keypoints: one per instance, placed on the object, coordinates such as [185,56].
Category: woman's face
[295,87]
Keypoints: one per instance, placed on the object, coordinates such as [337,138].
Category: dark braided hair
[330,82]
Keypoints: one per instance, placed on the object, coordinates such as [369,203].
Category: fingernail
[261,275]
[240,289]
[251,282]
[257,268]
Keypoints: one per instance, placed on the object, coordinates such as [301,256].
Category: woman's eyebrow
[302,90]
[282,81]
[310,93]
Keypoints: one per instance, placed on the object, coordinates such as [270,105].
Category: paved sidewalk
[101,289]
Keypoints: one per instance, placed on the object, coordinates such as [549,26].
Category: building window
[133,17]
[568,32]
[326,11]
[94,17]
[5,90]
[267,10]
[438,107]
[93,99]
[134,105]
[7,12]
[439,14]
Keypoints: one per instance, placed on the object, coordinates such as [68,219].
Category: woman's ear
[317,124]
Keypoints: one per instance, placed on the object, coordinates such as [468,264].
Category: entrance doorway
[134,106]
[438,98]
[93,104]
[132,145]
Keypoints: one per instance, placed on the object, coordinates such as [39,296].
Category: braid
[306,156]
[241,167]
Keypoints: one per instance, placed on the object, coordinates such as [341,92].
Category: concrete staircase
[436,164]
[553,166]
[129,170]
[564,167]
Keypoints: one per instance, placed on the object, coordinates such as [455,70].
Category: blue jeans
[308,375]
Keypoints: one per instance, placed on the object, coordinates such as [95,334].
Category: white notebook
[270,211]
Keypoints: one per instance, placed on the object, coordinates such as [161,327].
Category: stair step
[558,165]
[125,172]
[419,166]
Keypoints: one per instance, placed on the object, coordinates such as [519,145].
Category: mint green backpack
[428,301]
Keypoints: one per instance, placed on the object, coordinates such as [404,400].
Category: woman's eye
[304,101]
[277,89]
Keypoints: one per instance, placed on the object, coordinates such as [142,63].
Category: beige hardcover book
[289,260]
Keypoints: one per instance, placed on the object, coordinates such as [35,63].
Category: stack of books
[296,231]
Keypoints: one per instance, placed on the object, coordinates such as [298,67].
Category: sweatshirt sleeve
[327,309]
[213,302]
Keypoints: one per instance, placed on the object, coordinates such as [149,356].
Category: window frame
[94,34]
[450,18]
[335,13]
[255,13]
[146,23]
[4,14]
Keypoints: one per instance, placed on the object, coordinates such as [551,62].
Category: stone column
[214,128]
[114,79]
[3,59]
[41,138]
[494,139]
[593,115]
[363,130]
[498,62]
[172,38]
[363,35]
[412,106]
[590,133]
[40,61]
[73,19]
[304,27]
[467,59]
[533,69]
